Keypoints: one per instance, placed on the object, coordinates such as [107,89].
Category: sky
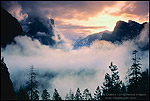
[84,67]
[81,18]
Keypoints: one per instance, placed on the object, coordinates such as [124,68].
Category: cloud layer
[81,10]
[83,68]
[132,9]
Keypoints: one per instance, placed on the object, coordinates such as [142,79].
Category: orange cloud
[130,9]
[85,17]
[81,10]
[70,26]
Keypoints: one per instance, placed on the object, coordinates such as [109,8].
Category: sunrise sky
[81,18]
[60,65]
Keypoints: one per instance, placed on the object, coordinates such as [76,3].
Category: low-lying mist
[69,69]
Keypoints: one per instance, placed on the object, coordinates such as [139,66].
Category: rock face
[123,31]
[7,90]
[39,28]
[10,27]
[33,26]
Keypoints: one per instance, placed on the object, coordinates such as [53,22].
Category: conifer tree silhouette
[135,74]
[97,94]
[33,84]
[112,84]
[45,95]
[56,95]
[78,95]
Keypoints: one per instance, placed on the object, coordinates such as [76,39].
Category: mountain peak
[10,27]
[131,21]
[120,24]
[123,31]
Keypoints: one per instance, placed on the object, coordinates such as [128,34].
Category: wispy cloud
[70,26]
[131,9]
[74,68]
[81,10]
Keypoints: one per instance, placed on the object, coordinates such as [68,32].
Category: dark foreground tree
[69,96]
[32,85]
[138,82]
[135,74]
[45,95]
[56,95]
[86,95]
[35,95]
[97,94]
[123,88]
[22,94]
[144,84]
[78,95]
[112,84]
[107,85]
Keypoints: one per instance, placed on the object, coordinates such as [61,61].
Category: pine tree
[86,95]
[144,84]
[107,85]
[123,88]
[135,74]
[22,94]
[71,95]
[116,83]
[35,95]
[45,95]
[56,95]
[78,95]
[97,94]
[32,85]
[112,83]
